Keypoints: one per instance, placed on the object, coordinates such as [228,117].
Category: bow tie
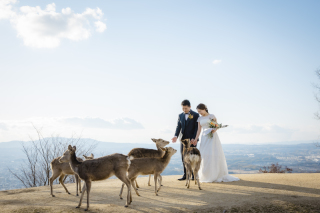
[187,113]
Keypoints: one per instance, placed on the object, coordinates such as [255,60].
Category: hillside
[253,193]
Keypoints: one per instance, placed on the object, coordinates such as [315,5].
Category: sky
[117,71]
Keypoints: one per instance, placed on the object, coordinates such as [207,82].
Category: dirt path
[253,193]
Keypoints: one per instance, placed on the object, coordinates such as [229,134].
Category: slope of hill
[253,193]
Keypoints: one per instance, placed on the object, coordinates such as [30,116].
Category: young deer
[147,166]
[62,170]
[192,161]
[148,153]
[98,169]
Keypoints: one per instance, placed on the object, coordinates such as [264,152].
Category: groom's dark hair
[185,103]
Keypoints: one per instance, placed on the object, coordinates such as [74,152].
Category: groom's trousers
[181,151]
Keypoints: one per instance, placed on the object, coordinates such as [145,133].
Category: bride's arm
[215,119]
[198,133]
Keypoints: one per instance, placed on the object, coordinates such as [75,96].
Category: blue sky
[123,80]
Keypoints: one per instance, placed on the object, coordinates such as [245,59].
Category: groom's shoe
[183,178]
[192,177]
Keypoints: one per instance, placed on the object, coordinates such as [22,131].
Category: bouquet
[214,125]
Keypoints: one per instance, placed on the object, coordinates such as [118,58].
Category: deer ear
[70,147]
[84,156]
[92,155]
[163,149]
[154,140]
[74,148]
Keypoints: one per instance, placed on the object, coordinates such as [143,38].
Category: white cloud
[100,26]
[216,61]
[6,11]
[45,28]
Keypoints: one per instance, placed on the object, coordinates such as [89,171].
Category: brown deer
[147,166]
[192,161]
[98,169]
[148,153]
[61,170]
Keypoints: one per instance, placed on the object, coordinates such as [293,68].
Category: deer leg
[61,182]
[124,178]
[160,181]
[129,197]
[187,175]
[88,184]
[77,183]
[126,181]
[149,180]
[155,177]
[65,178]
[121,190]
[197,177]
[137,186]
[189,171]
[135,189]
[52,178]
[81,197]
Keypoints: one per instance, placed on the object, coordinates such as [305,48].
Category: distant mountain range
[301,156]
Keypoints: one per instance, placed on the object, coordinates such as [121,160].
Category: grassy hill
[253,193]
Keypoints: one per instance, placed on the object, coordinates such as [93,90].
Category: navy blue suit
[188,128]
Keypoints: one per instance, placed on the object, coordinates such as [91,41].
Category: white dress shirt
[186,116]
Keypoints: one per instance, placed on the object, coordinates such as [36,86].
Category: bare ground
[253,193]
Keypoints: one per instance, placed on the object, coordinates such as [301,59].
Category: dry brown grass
[253,193]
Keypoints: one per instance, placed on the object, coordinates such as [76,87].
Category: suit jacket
[188,128]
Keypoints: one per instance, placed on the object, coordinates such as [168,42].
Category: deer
[192,161]
[148,153]
[86,158]
[61,170]
[147,166]
[98,169]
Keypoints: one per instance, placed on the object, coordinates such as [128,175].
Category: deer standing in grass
[147,166]
[61,170]
[192,161]
[148,153]
[98,169]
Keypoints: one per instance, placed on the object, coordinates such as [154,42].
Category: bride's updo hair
[203,107]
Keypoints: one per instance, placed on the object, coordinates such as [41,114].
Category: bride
[213,166]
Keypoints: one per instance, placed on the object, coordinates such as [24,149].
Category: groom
[188,126]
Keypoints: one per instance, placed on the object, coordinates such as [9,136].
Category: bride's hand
[214,130]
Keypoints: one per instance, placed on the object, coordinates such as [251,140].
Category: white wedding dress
[213,166]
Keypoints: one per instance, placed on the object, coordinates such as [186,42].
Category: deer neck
[74,163]
[185,148]
[159,149]
[166,158]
